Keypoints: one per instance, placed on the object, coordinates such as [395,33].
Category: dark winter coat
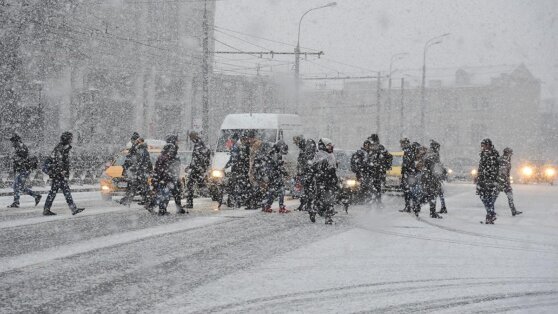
[360,163]
[408,161]
[324,167]
[21,157]
[264,168]
[200,157]
[239,162]
[504,172]
[379,160]
[489,167]
[162,172]
[434,173]
[60,161]
[144,164]
[302,161]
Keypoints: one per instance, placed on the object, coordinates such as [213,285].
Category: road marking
[24,260]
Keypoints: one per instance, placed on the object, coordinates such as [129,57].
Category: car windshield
[185,158]
[225,142]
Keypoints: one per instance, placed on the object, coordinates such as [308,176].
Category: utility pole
[205,79]
[401,122]
[378,87]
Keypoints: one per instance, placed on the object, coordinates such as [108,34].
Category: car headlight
[217,173]
[105,188]
[351,183]
[527,171]
[474,172]
[450,171]
[550,172]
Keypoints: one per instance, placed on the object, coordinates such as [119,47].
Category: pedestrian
[308,180]
[324,167]
[487,178]
[57,166]
[504,178]
[272,170]
[163,178]
[23,164]
[360,165]
[198,167]
[379,164]
[413,176]
[408,159]
[434,174]
[174,169]
[257,154]
[129,168]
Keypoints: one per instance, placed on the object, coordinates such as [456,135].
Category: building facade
[458,112]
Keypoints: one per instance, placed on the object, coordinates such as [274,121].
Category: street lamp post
[297,50]
[432,41]
[394,57]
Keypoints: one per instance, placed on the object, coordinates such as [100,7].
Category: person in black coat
[58,169]
[177,186]
[273,169]
[22,166]
[487,178]
[435,173]
[379,163]
[504,178]
[138,171]
[324,167]
[163,179]
[198,167]
[408,158]
[239,163]
[360,165]
[307,181]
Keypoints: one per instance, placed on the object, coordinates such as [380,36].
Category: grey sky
[366,33]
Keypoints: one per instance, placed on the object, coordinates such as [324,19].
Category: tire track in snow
[314,296]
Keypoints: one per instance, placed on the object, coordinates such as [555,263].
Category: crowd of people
[257,174]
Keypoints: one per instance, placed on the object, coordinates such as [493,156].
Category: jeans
[164,192]
[488,200]
[19,185]
[273,192]
[57,184]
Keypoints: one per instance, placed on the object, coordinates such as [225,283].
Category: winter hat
[404,141]
[134,137]
[15,138]
[281,147]
[172,139]
[434,145]
[194,135]
[486,141]
[374,138]
[324,142]
[66,137]
[508,151]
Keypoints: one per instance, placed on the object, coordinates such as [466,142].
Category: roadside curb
[46,191]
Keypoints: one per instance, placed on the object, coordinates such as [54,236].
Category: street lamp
[297,49]
[394,57]
[431,42]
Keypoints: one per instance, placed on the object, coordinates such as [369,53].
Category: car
[348,183]
[536,171]
[393,176]
[113,182]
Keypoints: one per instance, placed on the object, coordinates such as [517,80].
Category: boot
[328,221]
[267,209]
[13,205]
[433,214]
[516,212]
[283,209]
[490,218]
[407,209]
[38,199]
[47,212]
[181,211]
[189,203]
[162,212]
[443,210]
[77,210]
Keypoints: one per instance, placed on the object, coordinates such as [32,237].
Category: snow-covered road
[112,258]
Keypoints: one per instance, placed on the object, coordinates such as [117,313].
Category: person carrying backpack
[22,165]
[57,166]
